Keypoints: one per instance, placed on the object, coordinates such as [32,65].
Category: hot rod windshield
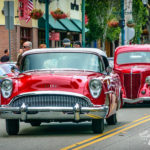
[133,57]
[60,61]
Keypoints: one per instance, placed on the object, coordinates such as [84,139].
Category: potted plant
[145,32]
[130,23]
[113,23]
[58,14]
[36,13]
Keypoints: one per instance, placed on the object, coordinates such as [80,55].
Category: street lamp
[83,23]
[47,22]
[122,23]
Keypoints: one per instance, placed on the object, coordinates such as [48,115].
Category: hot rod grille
[132,85]
[49,100]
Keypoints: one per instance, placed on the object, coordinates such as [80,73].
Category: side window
[101,66]
[106,63]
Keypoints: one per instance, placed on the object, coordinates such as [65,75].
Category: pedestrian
[5,58]
[77,44]
[26,46]
[42,46]
[20,52]
[66,43]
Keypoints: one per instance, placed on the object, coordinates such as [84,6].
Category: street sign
[9,14]
[129,34]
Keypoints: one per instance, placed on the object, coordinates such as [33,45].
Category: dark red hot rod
[61,85]
[132,63]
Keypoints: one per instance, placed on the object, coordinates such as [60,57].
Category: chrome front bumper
[131,101]
[54,113]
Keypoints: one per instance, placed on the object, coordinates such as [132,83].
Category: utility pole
[47,22]
[9,20]
[123,23]
[83,23]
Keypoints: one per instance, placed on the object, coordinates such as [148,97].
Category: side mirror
[14,69]
[108,70]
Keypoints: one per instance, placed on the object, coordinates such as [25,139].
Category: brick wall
[15,41]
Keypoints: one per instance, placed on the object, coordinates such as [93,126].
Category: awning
[69,25]
[54,24]
[78,23]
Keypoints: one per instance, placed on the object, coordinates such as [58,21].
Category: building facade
[34,30]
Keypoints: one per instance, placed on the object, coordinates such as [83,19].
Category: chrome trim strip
[131,101]
[109,92]
[52,92]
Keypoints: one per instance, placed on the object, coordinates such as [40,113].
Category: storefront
[59,29]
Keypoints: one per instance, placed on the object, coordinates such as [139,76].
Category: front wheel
[12,126]
[98,125]
[112,120]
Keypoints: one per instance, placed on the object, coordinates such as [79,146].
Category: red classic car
[63,84]
[132,63]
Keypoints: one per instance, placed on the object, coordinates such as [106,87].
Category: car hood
[70,81]
[134,68]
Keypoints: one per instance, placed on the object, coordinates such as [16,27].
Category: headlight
[95,87]
[147,80]
[6,88]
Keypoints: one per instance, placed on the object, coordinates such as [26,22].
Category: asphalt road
[131,133]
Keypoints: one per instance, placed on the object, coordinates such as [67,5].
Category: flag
[29,7]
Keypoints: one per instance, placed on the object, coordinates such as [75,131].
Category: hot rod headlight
[147,80]
[95,87]
[6,88]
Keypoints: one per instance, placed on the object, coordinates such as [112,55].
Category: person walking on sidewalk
[5,58]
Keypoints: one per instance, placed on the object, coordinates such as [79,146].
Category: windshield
[133,57]
[60,61]
[5,69]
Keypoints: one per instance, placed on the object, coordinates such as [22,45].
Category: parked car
[5,70]
[132,63]
[111,61]
[63,84]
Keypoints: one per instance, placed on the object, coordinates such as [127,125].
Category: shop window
[25,35]
[76,37]
[41,37]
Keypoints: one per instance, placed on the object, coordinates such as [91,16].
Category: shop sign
[54,36]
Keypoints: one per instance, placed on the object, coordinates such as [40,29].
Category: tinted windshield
[133,57]
[66,61]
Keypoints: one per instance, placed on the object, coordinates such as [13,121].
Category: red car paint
[134,73]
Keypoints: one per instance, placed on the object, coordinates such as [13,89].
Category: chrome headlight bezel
[95,87]
[147,80]
[6,88]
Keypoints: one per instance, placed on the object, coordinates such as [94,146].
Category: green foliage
[130,21]
[99,13]
[140,14]
[113,34]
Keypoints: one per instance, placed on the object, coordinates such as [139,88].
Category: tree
[140,17]
[112,35]
[99,13]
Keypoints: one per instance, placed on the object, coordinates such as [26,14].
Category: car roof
[136,47]
[84,50]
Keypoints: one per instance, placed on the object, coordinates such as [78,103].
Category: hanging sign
[54,36]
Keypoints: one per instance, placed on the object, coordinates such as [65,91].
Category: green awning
[78,23]
[54,24]
[69,25]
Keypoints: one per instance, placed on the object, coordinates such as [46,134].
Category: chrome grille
[49,100]
[132,85]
